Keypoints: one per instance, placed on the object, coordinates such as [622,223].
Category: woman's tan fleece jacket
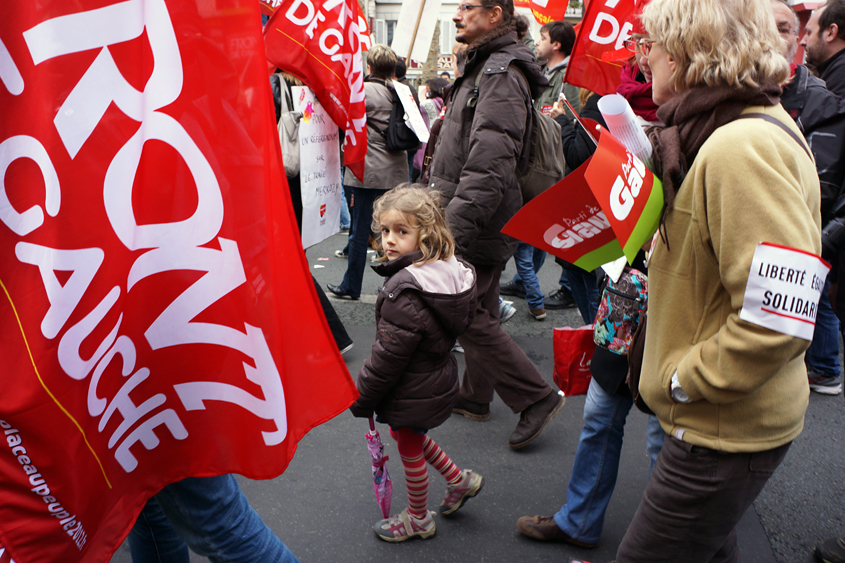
[750,183]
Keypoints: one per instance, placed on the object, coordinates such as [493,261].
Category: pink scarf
[637,93]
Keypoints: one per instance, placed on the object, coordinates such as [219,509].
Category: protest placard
[319,175]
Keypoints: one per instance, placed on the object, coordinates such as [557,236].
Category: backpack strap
[497,63]
[775,121]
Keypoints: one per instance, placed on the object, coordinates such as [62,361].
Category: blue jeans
[596,464]
[585,291]
[528,261]
[359,237]
[213,517]
[345,218]
[823,354]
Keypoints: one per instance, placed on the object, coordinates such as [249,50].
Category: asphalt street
[323,506]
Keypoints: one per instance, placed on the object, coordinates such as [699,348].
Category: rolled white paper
[623,125]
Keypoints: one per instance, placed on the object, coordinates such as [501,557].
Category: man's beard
[813,55]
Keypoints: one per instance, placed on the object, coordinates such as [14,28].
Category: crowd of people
[749,147]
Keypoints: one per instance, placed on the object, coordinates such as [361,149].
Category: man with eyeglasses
[484,139]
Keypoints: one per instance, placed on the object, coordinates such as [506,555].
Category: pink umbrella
[381,480]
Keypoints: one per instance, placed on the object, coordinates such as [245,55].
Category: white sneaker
[506,311]
[457,494]
[403,527]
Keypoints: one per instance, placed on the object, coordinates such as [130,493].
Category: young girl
[411,379]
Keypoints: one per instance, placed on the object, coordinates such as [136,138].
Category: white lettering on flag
[783,290]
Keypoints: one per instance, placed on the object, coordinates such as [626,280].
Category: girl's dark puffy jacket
[411,377]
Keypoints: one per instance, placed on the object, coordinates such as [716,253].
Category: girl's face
[398,236]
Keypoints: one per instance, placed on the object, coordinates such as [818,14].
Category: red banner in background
[320,42]
[269,6]
[147,247]
[599,53]
[546,11]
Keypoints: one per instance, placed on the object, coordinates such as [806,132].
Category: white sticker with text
[784,286]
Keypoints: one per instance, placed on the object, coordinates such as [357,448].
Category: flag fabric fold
[320,42]
[147,247]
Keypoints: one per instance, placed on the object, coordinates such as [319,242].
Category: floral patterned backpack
[620,310]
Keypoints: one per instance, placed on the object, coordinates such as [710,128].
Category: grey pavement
[323,506]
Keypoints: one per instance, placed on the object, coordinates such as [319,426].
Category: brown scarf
[690,118]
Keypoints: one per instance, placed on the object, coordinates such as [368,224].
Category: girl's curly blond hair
[422,209]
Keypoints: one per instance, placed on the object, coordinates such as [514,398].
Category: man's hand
[557,109]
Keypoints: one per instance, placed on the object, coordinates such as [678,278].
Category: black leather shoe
[337,292]
[560,298]
[510,288]
[533,420]
[477,412]
[544,528]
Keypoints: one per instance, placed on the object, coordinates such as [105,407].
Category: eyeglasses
[463,8]
[642,45]
[786,30]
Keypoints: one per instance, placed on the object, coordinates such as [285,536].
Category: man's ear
[495,14]
[556,46]
[832,33]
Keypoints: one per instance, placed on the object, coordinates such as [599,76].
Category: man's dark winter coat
[481,145]
[821,117]
[832,71]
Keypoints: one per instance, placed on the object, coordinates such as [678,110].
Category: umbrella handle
[372,424]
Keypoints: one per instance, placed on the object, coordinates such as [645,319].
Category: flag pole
[414,35]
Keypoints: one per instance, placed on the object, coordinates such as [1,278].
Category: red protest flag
[599,53]
[320,42]
[567,221]
[628,192]
[147,249]
[607,207]
[546,11]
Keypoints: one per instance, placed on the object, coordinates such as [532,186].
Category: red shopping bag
[573,349]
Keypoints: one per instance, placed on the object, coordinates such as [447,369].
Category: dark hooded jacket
[482,143]
[832,71]
[820,115]
[411,377]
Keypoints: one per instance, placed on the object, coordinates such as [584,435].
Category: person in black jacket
[820,115]
[824,44]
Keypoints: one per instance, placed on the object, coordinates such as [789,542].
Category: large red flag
[157,313]
[320,42]
[599,52]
